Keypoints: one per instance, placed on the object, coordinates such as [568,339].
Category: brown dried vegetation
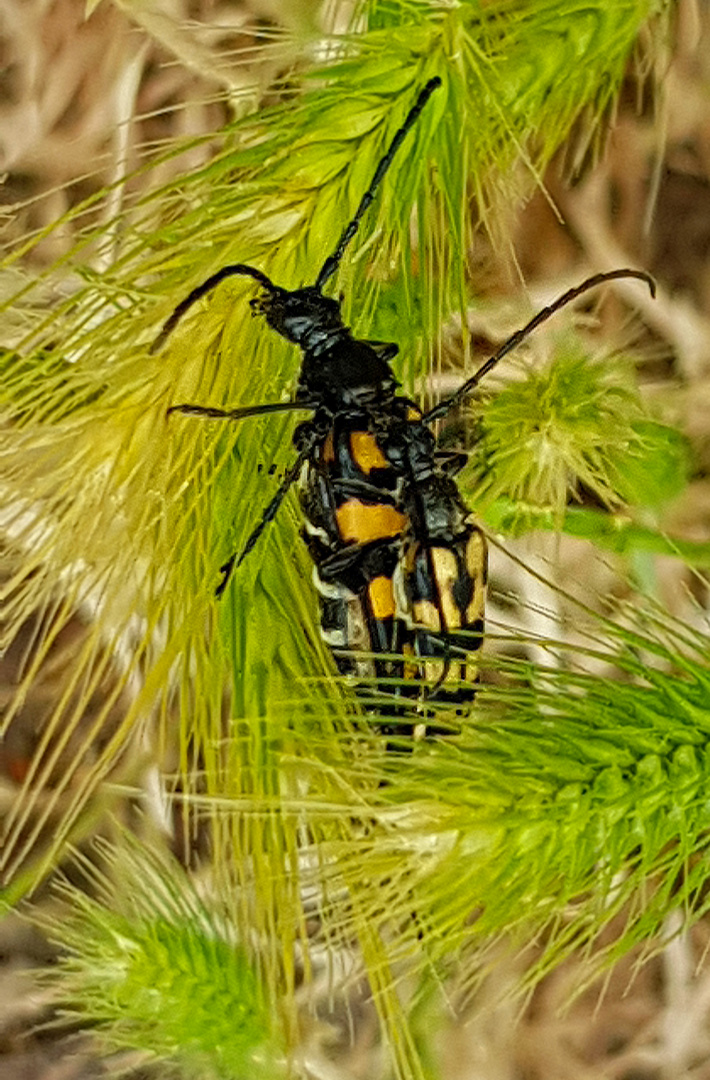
[80,100]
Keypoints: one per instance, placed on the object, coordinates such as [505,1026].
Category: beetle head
[303,316]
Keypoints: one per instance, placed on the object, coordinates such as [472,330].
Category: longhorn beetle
[400,564]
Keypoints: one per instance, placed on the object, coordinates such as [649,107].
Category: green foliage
[549,812]
[618,533]
[572,794]
[577,427]
[571,814]
[151,969]
[574,423]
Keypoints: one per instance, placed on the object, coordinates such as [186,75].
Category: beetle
[399,560]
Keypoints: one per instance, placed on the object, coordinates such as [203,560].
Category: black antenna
[333,261]
[206,286]
[542,316]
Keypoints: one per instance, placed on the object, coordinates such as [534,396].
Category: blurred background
[85,91]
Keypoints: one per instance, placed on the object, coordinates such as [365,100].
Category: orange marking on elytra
[362,523]
[381,594]
[366,453]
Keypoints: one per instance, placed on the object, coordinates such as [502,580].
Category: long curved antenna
[210,412]
[333,261]
[542,316]
[206,286]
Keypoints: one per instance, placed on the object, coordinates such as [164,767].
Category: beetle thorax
[349,373]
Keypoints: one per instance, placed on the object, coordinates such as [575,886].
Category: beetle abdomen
[399,563]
